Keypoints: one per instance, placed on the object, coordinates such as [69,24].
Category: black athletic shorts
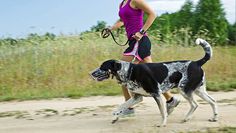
[139,49]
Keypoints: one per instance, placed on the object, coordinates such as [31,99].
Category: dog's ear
[105,66]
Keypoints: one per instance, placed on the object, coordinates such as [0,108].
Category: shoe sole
[128,115]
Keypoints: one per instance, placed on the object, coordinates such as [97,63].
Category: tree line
[206,19]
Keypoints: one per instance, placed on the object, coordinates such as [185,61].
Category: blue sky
[21,17]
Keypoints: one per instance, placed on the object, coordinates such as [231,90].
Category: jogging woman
[131,14]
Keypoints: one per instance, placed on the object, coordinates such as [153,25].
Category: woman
[139,50]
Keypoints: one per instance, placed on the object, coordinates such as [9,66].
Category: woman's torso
[132,18]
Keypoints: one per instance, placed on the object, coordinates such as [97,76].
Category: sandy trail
[93,115]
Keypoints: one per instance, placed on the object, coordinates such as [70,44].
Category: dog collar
[123,72]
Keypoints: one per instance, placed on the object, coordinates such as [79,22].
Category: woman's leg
[124,89]
[167,95]
[147,60]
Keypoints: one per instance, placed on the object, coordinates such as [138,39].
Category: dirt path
[93,115]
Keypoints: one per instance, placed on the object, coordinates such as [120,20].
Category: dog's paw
[185,120]
[213,120]
[161,125]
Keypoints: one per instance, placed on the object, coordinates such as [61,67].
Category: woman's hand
[138,36]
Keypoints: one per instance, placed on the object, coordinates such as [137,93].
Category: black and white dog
[153,79]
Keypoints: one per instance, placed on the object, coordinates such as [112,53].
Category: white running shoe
[170,106]
[128,112]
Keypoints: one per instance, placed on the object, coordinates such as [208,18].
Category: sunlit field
[33,69]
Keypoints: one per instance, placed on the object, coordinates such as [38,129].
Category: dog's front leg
[162,109]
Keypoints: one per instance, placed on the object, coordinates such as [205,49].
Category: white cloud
[170,6]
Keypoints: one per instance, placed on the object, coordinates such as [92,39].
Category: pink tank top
[132,18]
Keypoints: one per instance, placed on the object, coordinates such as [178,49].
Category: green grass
[34,69]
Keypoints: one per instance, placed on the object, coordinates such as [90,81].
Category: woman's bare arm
[141,4]
[117,25]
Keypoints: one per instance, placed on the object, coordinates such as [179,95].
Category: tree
[232,34]
[210,15]
[49,36]
[184,17]
[100,25]
[186,14]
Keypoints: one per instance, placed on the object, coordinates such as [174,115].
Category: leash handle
[107,32]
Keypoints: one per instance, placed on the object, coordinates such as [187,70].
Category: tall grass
[35,69]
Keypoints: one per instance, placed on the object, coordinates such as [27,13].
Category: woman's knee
[127,58]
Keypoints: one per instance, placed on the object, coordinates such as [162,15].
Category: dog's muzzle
[100,75]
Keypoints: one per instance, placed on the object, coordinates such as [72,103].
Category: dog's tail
[208,51]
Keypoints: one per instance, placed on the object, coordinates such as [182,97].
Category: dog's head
[109,67]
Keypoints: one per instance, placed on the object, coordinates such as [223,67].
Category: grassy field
[34,69]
